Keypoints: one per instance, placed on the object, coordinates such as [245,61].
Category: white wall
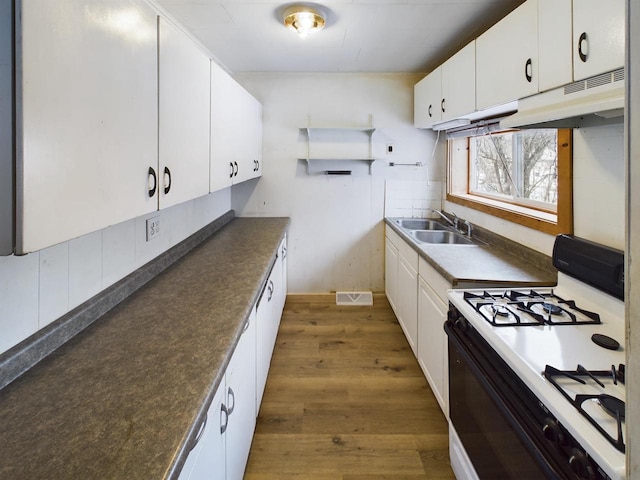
[37,288]
[598,194]
[336,238]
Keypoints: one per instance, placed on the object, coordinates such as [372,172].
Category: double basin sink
[425,231]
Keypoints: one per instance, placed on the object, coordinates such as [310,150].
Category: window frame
[529,216]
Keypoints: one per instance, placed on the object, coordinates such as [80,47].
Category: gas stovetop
[522,307]
[543,334]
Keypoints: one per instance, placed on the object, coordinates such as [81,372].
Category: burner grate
[612,405]
[539,308]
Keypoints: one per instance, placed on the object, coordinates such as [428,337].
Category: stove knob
[462,323]
[553,432]
[453,314]
[580,465]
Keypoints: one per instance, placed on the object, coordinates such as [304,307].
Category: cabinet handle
[200,432]
[152,189]
[270,290]
[235,173]
[442,105]
[167,174]
[258,165]
[232,396]
[246,326]
[231,171]
[429,111]
[223,426]
[528,73]
[284,252]
[583,40]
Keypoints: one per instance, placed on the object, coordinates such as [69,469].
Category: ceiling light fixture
[303,19]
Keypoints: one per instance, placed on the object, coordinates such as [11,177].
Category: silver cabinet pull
[231,396]
[203,425]
[224,412]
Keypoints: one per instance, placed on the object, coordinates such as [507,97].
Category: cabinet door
[459,83]
[554,44]
[87,121]
[283,283]
[223,133]
[427,98]
[207,460]
[184,89]
[391,273]
[241,400]
[408,302]
[598,37]
[507,58]
[251,147]
[432,342]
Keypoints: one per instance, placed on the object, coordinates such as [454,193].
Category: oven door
[495,415]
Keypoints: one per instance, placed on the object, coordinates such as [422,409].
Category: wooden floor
[346,399]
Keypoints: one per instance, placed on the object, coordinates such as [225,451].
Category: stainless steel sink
[420,224]
[440,237]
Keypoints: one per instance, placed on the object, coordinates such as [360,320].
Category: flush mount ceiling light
[303,19]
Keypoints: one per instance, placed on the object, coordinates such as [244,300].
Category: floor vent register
[354,298]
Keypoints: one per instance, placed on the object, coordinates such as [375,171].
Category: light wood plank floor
[346,399]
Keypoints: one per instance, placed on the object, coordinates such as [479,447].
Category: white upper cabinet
[459,83]
[427,96]
[236,132]
[249,124]
[598,37]
[554,44]
[87,129]
[184,90]
[507,58]
[222,132]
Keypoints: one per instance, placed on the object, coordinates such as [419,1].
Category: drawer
[436,281]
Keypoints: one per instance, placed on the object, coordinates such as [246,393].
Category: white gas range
[546,367]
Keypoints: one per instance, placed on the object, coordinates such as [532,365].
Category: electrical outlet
[153,228]
[389,148]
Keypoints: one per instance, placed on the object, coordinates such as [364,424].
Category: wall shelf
[329,148]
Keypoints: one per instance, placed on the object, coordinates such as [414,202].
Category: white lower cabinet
[391,271]
[207,458]
[431,343]
[222,449]
[418,295]
[432,339]
[241,403]
[225,441]
[401,284]
[268,314]
[408,297]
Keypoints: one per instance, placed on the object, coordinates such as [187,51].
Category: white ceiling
[360,36]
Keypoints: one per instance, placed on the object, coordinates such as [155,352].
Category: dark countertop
[498,262]
[124,398]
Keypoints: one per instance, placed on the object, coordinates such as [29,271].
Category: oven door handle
[536,444]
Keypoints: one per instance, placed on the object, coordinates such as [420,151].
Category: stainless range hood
[594,101]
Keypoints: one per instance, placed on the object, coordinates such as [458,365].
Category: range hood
[594,101]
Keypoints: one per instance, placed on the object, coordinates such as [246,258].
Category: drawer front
[436,281]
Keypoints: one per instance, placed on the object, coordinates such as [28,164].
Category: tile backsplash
[38,288]
[406,198]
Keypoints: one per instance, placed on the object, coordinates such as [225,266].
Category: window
[520,175]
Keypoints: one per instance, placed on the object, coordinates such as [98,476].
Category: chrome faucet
[454,224]
[468,224]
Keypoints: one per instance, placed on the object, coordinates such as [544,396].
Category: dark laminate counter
[498,262]
[123,398]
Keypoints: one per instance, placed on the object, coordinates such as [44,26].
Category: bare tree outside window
[521,165]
